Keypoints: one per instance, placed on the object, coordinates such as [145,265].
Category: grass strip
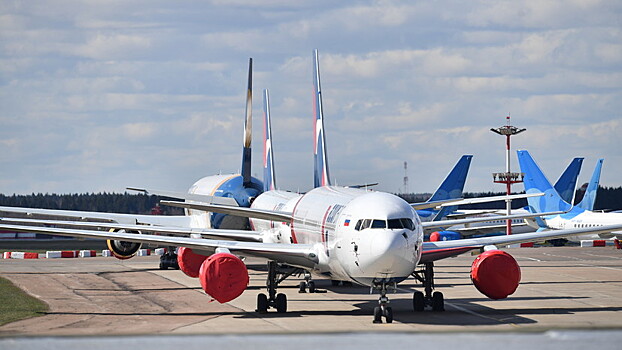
[15,304]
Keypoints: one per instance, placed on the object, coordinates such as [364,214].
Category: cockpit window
[358,225]
[408,223]
[379,224]
[393,224]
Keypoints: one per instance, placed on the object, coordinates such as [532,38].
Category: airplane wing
[240,235]
[236,211]
[448,223]
[461,201]
[161,220]
[302,255]
[188,196]
[491,199]
[433,251]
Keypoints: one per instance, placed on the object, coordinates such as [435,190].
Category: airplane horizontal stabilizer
[203,198]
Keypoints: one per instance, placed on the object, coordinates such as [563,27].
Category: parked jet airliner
[574,217]
[370,238]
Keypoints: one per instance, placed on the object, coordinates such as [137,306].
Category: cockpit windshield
[392,224]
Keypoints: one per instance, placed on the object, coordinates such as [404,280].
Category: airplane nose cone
[390,255]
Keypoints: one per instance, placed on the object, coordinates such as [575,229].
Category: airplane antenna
[508,178]
[405,177]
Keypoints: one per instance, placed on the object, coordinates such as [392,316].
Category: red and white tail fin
[321,173]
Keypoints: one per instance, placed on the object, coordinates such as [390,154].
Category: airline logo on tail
[269,182]
[321,177]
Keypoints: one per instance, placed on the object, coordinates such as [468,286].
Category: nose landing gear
[383,309]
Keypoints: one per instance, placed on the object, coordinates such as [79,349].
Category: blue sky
[101,95]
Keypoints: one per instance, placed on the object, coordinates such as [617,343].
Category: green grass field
[16,305]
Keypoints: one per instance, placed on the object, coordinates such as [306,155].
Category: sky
[103,95]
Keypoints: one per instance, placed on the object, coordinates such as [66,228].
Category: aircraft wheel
[281,303]
[311,286]
[377,314]
[303,287]
[262,303]
[438,303]
[347,284]
[334,283]
[388,314]
[418,301]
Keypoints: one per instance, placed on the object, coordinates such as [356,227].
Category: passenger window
[379,224]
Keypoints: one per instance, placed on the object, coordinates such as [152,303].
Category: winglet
[269,181]
[248,126]
[534,182]
[321,175]
[589,198]
[567,182]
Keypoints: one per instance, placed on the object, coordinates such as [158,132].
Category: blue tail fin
[567,182]
[536,182]
[248,126]
[589,198]
[269,182]
[452,186]
[321,174]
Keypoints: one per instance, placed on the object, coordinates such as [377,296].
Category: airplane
[565,186]
[226,189]
[574,216]
[370,238]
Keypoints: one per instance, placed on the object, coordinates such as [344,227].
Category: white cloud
[101,95]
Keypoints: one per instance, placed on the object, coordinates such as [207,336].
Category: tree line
[102,202]
[608,198]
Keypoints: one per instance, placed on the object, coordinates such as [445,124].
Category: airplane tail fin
[589,198]
[567,182]
[248,125]
[536,182]
[452,186]
[269,182]
[321,173]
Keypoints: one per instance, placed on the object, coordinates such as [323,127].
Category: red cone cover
[435,237]
[189,262]
[223,276]
[495,274]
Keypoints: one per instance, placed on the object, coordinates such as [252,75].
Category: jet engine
[495,274]
[122,249]
[444,236]
[223,276]
[189,262]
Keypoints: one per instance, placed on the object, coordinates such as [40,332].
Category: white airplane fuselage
[578,218]
[361,236]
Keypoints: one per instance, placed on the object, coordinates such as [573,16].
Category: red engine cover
[189,262]
[223,276]
[435,236]
[495,274]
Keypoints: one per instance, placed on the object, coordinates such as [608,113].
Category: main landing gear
[425,275]
[383,309]
[169,259]
[274,300]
